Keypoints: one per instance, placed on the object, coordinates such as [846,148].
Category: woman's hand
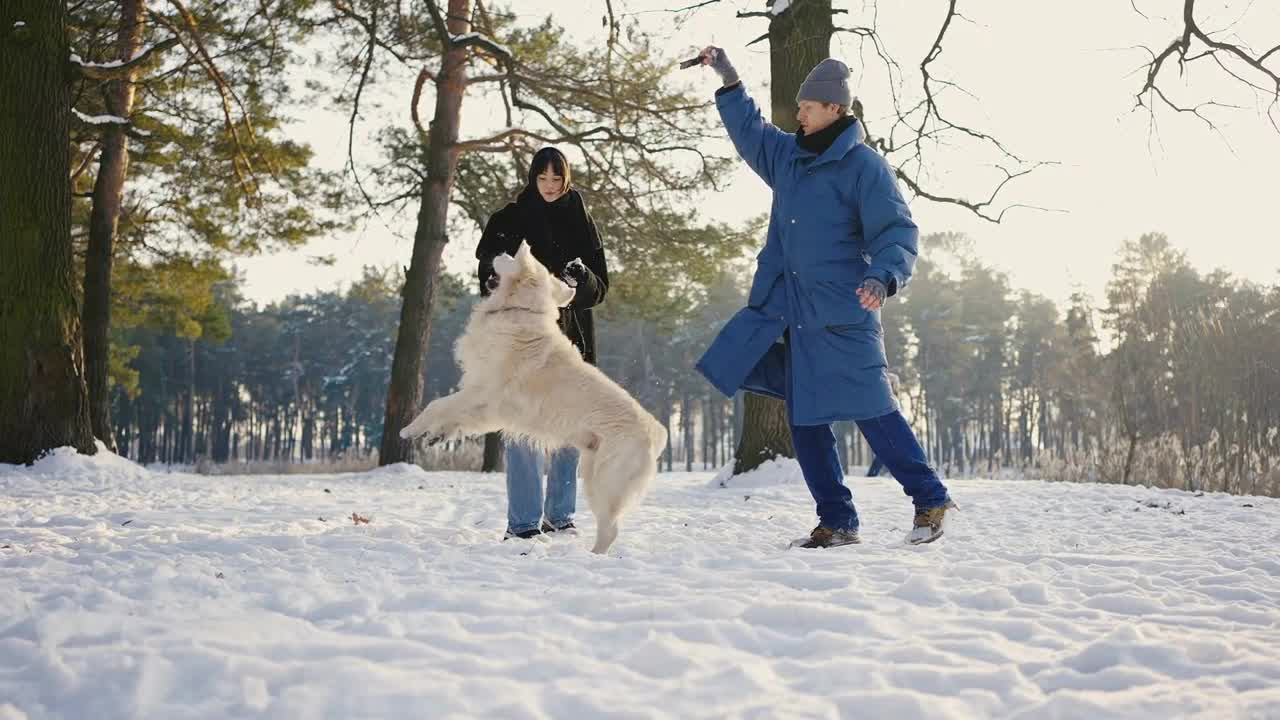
[575,273]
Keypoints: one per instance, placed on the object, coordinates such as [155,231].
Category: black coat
[558,233]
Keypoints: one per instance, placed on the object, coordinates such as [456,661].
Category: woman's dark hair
[549,158]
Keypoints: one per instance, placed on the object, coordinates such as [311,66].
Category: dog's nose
[492,282]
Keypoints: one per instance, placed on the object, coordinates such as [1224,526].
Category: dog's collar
[531,311]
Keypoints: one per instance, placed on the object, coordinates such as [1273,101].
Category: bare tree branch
[931,106]
[241,162]
[695,6]
[345,10]
[424,75]
[1179,51]
[437,20]
[924,122]
[511,132]
[673,11]
[483,13]
[84,163]
[372,45]
[615,132]
[978,208]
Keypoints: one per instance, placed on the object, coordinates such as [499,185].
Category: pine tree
[43,396]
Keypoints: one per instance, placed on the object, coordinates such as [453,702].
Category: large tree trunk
[493,456]
[1128,458]
[43,398]
[686,426]
[405,391]
[765,435]
[146,431]
[798,39]
[108,189]
[222,420]
[186,439]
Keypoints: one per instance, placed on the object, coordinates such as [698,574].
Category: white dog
[521,375]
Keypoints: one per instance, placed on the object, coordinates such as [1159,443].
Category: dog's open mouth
[492,282]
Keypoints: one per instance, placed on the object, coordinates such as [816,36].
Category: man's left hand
[872,294]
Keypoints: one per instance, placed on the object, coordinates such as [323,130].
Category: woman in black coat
[550,215]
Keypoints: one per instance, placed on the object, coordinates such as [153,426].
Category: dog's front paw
[406,434]
[436,435]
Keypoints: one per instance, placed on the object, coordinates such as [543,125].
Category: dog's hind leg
[601,501]
[606,532]
[587,446]
[620,475]
[587,468]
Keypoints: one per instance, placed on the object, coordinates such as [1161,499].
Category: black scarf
[818,142]
[551,227]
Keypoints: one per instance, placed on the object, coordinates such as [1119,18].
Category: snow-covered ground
[131,594]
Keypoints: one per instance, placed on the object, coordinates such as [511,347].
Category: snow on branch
[478,40]
[105,120]
[117,69]
[100,119]
[491,143]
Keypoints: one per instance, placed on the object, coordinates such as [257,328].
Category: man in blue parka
[841,240]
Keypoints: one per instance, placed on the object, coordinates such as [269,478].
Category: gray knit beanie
[827,82]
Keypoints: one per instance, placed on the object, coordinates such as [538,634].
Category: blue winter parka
[836,219]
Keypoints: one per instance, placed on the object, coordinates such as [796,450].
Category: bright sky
[1053,81]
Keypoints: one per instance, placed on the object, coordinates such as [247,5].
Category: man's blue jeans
[892,441]
[525,506]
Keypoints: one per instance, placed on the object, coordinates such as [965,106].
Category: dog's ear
[524,254]
[504,264]
[561,292]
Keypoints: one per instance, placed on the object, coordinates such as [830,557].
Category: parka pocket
[861,345]
[835,303]
[831,292]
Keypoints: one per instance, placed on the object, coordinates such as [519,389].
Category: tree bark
[764,439]
[686,426]
[493,456]
[43,397]
[798,39]
[1128,459]
[108,191]
[222,419]
[186,437]
[404,394]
